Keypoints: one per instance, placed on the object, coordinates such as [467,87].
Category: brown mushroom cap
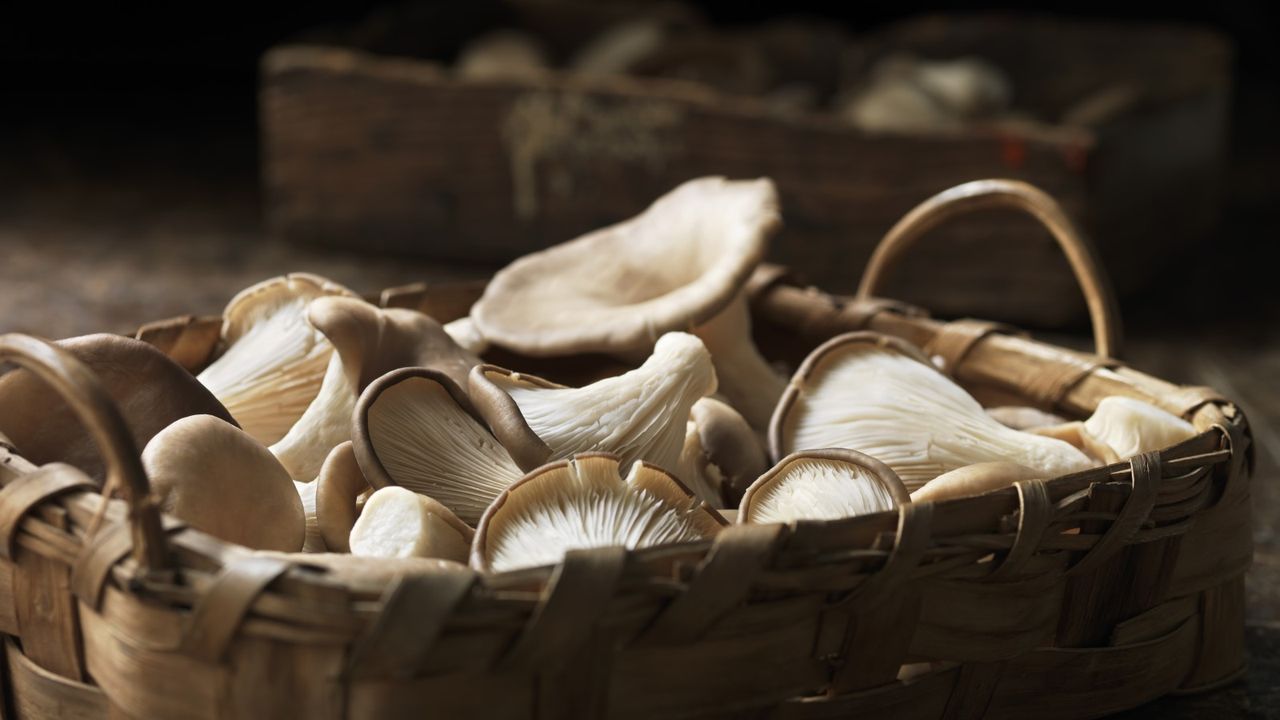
[672,267]
[728,447]
[368,342]
[415,428]
[374,341]
[584,502]
[825,484]
[338,490]
[220,480]
[151,391]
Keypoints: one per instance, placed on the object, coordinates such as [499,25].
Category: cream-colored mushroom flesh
[275,360]
[640,415]
[368,342]
[414,428]
[974,480]
[747,380]
[880,396]
[1131,427]
[821,485]
[220,480]
[397,522]
[672,267]
[584,502]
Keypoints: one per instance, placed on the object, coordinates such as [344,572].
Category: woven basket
[1073,597]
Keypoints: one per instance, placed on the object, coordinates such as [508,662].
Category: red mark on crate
[1013,152]
[1076,158]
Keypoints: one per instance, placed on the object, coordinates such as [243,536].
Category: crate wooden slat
[398,154]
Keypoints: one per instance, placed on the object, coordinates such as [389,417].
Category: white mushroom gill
[585,504]
[1131,426]
[430,445]
[275,360]
[813,489]
[639,415]
[910,417]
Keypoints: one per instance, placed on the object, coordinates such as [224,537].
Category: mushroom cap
[417,429]
[730,445]
[397,522]
[640,415]
[881,396]
[338,489]
[275,361]
[974,480]
[260,301]
[368,342]
[672,267]
[584,502]
[218,479]
[151,391]
[373,341]
[826,484]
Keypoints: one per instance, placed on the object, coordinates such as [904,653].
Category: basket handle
[95,409]
[998,193]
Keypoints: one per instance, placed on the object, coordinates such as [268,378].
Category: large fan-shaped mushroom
[639,415]
[679,266]
[880,396]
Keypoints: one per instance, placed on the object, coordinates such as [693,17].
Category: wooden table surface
[136,239]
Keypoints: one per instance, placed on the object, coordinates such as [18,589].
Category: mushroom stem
[325,424]
[747,381]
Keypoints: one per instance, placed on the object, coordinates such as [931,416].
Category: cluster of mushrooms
[330,425]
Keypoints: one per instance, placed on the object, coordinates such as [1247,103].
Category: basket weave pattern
[1071,597]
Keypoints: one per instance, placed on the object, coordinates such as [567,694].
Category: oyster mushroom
[368,342]
[974,480]
[415,428]
[678,266]
[397,522]
[275,360]
[337,491]
[151,391]
[822,485]
[639,415]
[502,54]
[721,456]
[584,502]
[881,396]
[1131,427]
[218,479]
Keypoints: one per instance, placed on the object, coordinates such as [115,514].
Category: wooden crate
[380,153]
